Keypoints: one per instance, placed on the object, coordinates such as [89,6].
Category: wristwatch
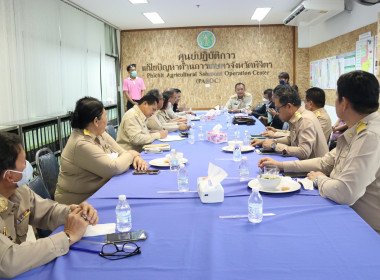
[68,236]
[315,183]
[273,146]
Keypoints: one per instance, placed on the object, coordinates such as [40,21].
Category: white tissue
[211,113]
[216,174]
[216,107]
[307,184]
[216,129]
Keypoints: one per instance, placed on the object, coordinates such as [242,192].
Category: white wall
[340,24]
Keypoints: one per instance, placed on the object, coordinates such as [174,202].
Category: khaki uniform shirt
[27,208]
[86,165]
[354,169]
[325,121]
[156,123]
[306,138]
[133,132]
[235,103]
[172,114]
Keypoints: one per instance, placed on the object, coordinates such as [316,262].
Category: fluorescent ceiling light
[154,18]
[139,1]
[260,13]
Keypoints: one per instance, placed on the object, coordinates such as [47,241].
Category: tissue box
[216,137]
[209,118]
[207,194]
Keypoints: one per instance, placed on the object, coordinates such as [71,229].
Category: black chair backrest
[38,187]
[111,131]
[48,169]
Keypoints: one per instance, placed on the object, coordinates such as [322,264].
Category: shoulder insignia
[247,94]
[86,132]
[318,113]
[298,115]
[3,204]
[361,126]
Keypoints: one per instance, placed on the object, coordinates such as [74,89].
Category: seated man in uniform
[176,108]
[306,138]
[156,123]
[315,102]
[133,132]
[173,98]
[20,207]
[240,101]
[350,173]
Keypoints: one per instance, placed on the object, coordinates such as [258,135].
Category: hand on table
[163,134]
[267,133]
[140,164]
[88,210]
[256,142]
[183,127]
[270,161]
[314,174]
[75,225]
[266,144]
[270,128]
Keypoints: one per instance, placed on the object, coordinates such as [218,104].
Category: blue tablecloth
[310,237]
[199,156]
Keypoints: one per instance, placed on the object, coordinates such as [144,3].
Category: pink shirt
[134,87]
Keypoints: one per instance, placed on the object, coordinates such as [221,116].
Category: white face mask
[26,174]
[266,101]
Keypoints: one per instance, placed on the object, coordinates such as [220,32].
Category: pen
[84,250]
[5,231]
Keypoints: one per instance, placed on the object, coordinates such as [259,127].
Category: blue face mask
[134,73]
[26,174]
[282,82]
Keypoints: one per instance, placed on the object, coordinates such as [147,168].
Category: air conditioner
[314,11]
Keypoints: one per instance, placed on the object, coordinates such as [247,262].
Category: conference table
[309,237]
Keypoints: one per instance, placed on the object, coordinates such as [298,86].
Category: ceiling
[185,13]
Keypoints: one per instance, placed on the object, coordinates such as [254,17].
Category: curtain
[52,54]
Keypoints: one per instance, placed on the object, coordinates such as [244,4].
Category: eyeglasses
[278,109]
[112,251]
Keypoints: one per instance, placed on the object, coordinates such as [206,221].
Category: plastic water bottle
[243,169]
[182,178]
[236,155]
[255,206]
[228,121]
[237,132]
[201,135]
[173,160]
[123,215]
[246,139]
[188,120]
[191,137]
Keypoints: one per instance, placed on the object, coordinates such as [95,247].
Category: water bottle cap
[122,197]
[181,165]
[173,151]
[244,158]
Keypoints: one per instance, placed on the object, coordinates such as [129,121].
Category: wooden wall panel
[157,54]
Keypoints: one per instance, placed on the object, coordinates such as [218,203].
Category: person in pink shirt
[133,87]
